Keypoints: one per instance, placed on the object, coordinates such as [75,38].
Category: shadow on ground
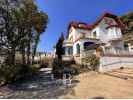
[98,97]
[40,86]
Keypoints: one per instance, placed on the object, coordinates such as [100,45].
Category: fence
[111,60]
[118,53]
[108,63]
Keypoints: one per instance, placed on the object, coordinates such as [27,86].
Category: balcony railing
[67,57]
[118,53]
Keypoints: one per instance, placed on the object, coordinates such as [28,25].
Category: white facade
[110,33]
[106,34]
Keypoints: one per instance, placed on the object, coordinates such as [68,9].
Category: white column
[114,50]
[81,48]
[103,49]
[66,51]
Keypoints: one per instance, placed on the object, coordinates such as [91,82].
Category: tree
[58,66]
[59,47]
[40,21]
[21,29]
[36,23]
[8,33]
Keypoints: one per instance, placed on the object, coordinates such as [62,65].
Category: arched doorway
[87,45]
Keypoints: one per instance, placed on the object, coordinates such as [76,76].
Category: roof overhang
[67,44]
[115,39]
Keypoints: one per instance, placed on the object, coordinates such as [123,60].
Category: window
[94,34]
[107,49]
[70,50]
[78,48]
[126,46]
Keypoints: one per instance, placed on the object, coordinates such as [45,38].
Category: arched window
[78,48]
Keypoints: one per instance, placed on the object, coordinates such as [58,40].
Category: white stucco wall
[111,63]
[81,43]
[74,47]
[111,33]
[75,33]
[114,32]
[71,34]
[79,32]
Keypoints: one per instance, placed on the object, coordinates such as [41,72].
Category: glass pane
[78,48]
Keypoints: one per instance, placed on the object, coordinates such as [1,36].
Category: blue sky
[61,12]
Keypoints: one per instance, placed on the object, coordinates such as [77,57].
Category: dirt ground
[117,84]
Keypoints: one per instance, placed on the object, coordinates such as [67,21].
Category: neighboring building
[128,40]
[42,56]
[130,47]
[105,33]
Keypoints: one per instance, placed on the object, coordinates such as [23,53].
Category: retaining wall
[109,63]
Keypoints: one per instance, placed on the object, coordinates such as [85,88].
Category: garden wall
[109,63]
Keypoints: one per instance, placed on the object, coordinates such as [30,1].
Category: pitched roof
[116,18]
[81,25]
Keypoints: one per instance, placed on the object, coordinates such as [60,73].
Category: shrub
[12,73]
[35,68]
[23,70]
[7,74]
[44,65]
[72,69]
[92,60]
[46,62]
[57,68]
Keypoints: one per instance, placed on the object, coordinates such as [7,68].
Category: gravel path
[38,87]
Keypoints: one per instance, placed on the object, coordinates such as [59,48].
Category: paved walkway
[114,85]
[38,87]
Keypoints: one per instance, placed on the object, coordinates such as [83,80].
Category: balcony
[115,39]
[118,53]
[67,58]
[67,43]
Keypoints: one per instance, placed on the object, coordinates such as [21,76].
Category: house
[105,33]
[129,44]
[130,47]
